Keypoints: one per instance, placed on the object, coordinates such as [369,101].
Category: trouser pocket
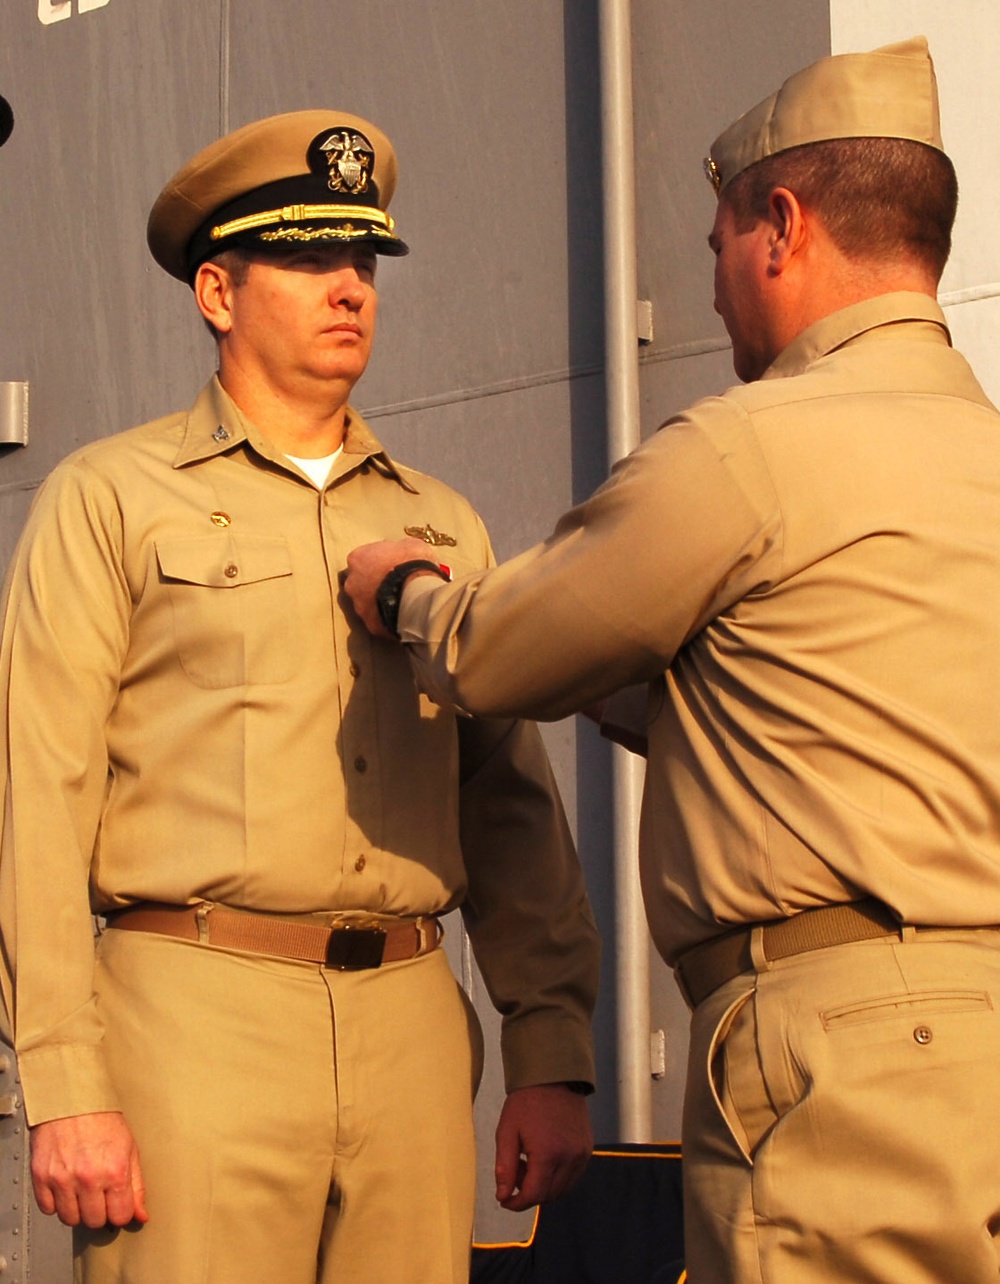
[735,1077]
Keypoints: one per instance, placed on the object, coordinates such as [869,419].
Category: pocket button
[923,1034]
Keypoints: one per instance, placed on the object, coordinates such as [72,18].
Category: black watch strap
[389,594]
[580,1087]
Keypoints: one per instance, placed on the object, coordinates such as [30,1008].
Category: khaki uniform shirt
[806,571]
[193,713]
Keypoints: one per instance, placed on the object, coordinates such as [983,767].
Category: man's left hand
[368,566]
[544,1141]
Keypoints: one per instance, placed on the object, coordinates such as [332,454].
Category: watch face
[387,600]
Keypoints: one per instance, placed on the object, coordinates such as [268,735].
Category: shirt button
[354,670]
[360,863]
[231,571]
[923,1034]
[361,764]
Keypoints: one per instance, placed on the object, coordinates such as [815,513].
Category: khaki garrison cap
[286,181]
[889,93]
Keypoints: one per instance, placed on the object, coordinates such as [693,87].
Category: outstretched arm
[684,528]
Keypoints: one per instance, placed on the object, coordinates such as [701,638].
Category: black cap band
[293,212]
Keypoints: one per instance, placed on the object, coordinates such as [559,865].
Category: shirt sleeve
[64,637]
[526,910]
[625,719]
[686,525]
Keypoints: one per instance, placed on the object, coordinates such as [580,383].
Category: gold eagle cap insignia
[350,158]
[430,536]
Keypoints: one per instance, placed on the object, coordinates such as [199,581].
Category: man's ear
[788,229]
[213,292]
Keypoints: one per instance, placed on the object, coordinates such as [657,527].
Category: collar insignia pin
[220,434]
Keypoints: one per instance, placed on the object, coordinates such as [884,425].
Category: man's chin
[341,365]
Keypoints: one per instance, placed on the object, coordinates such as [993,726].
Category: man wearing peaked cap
[299,179]
[788,598]
[265,1064]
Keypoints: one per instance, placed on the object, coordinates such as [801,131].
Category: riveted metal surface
[33,1249]
[13,1175]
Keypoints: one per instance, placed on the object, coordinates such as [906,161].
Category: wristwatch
[389,594]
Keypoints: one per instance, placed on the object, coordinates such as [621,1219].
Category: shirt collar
[832,332]
[216,425]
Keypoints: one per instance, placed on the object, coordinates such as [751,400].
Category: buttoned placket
[356,686]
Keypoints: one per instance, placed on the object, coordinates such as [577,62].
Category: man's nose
[347,288]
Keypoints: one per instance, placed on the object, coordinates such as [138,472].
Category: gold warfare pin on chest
[430,536]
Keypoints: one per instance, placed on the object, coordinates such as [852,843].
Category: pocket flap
[223,563]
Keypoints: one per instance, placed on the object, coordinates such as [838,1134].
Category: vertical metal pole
[225,52]
[622,381]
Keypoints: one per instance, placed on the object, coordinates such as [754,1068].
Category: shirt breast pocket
[233,606]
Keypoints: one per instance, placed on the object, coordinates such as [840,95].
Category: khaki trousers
[841,1118]
[293,1124]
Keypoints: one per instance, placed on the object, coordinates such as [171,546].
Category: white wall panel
[964,37]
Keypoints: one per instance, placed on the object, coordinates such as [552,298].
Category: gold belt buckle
[352,949]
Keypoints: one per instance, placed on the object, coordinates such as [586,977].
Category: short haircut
[236,262]
[879,198]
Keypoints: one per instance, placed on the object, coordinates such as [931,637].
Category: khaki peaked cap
[888,93]
[285,181]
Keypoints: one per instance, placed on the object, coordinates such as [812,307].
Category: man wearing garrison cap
[801,575]
[265,1067]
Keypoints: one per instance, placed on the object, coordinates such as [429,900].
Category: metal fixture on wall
[13,414]
[6,120]
[622,385]
[13,396]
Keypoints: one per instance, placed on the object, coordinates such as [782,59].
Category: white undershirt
[318,470]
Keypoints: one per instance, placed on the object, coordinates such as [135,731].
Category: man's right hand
[86,1169]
